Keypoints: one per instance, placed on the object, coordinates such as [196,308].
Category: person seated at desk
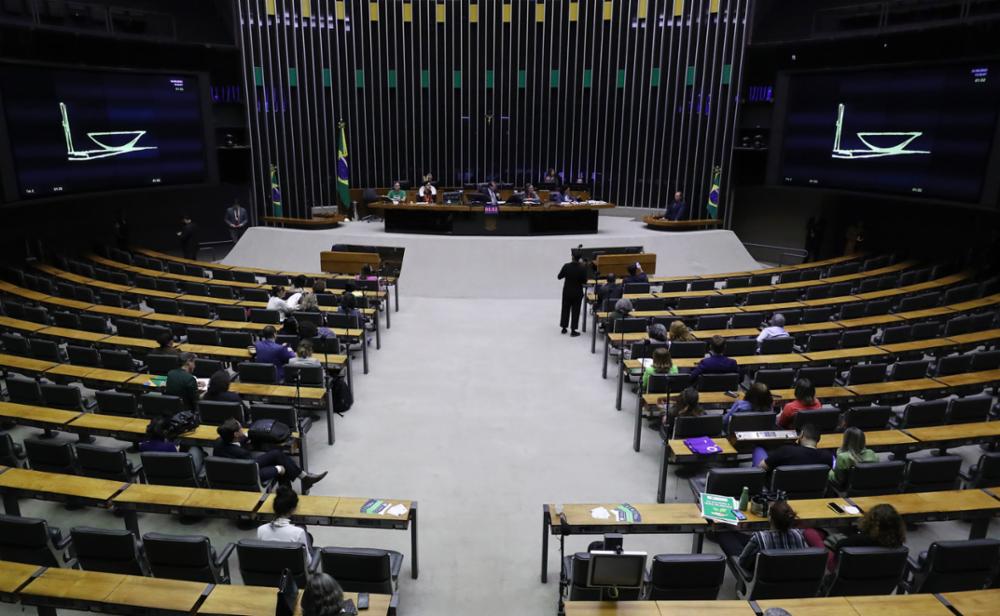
[662,363]
[181,381]
[852,452]
[218,389]
[635,274]
[281,527]
[776,329]
[679,332]
[427,193]
[562,195]
[299,284]
[491,194]
[309,330]
[687,405]
[623,308]
[805,400]
[881,527]
[276,301]
[349,306]
[319,286]
[678,209]
[781,536]
[158,440]
[268,351]
[304,356]
[758,399]
[551,177]
[396,194]
[233,443]
[165,340]
[716,362]
[802,451]
[308,303]
[609,290]
[657,333]
[530,195]
[322,596]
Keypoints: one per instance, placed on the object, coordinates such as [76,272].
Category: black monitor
[453,197]
[616,569]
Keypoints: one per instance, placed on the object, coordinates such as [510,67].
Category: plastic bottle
[744,498]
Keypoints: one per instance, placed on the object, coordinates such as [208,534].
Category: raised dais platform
[662,224]
[546,219]
[318,222]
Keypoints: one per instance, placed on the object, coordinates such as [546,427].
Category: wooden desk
[718,607]
[823,393]
[679,452]
[13,575]
[985,377]
[898,605]
[844,354]
[661,224]
[875,439]
[340,262]
[919,346]
[40,484]
[25,364]
[898,387]
[989,335]
[158,593]
[737,332]
[618,263]
[820,606]
[236,600]
[974,505]
[20,324]
[656,518]
[150,497]
[612,608]
[964,434]
[974,602]
[72,334]
[71,587]
[234,502]
[132,343]
[38,416]
[309,507]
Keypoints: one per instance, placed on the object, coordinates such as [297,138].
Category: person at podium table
[427,193]
[491,194]
[678,209]
[396,194]
[531,195]
[562,195]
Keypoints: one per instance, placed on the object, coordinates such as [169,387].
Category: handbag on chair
[288,595]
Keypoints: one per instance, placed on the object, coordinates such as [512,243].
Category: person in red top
[805,400]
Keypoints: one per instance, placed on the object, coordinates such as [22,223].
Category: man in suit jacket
[574,277]
[233,443]
[677,210]
[716,362]
[189,237]
[268,351]
[237,220]
[491,195]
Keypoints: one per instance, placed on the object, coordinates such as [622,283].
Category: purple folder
[702,445]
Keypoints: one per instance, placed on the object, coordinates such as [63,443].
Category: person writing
[574,277]
[396,194]
[181,381]
[678,209]
[237,220]
[233,443]
[268,351]
[427,193]
[805,400]
[852,452]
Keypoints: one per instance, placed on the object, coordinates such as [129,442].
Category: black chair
[782,296]
[866,373]
[93,323]
[729,381]
[691,303]
[170,469]
[68,320]
[576,567]
[823,342]
[262,562]
[31,541]
[685,577]
[868,417]
[721,301]
[925,330]
[205,368]
[985,473]
[758,298]
[970,409]
[117,403]
[729,481]
[897,334]
[114,359]
[818,292]
[155,332]
[160,405]
[162,305]
[825,419]
[285,413]
[776,379]
[952,566]
[236,339]
[45,350]
[874,479]
[852,311]
[777,346]
[711,321]
[37,314]
[737,347]
[907,370]
[781,574]
[231,313]
[221,292]
[932,474]
[819,376]
[855,338]
[197,310]
[985,360]
[187,557]
[817,315]
[306,376]
[691,349]
[252,372]
[215,412]
[701,425]
[801,480]
[10,455]
[15,344]
[954,364]
[50,455]
[363,569]
[746,319]
[761,280]
[793,276]
[751,422]
[64,397]
[923,413]
[106,463]
[262,315]
[110,551]
[83,356]
[23,391]
[636,287]
[201,335]
[230,474]
[867,571]
[878,307]
[737,283]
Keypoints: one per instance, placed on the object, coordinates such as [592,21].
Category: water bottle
[744,498]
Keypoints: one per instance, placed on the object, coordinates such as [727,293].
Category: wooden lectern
[347,262]
[618,264]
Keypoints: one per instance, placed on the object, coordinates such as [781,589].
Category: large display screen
[75,130]
[924,132]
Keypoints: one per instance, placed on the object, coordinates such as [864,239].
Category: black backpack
[182,422]
[268,432]
[342,396]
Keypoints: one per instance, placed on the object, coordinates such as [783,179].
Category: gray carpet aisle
[481,411]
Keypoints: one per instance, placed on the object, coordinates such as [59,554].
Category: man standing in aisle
[189,237]
[574,277]
[237,220]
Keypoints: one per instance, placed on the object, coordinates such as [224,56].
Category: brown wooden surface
[144,493]
[818,606]
[975,602]
[320,222]
[983,429]
[90,586]
[618,264]
[13,575]
[320,506]
[984,377]
[157,593]
[339,262]
[612,608]
[27,364]
[719,607]
[680,514]
[56,417]
[898,605]
[350,508]
[57,483]
[894,387]
[951,501]
[679,449]
[223,500]
[237,600]
[873,438]
[658,222]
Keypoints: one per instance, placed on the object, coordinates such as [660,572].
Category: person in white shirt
[775,330]
[277,301]
[281,528]
[427,192]
[304,355]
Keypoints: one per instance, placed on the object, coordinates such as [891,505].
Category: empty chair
[817,315]
[820,376]
[793,276]
[729,481]
[170,469]
[868,285]
[985,473]
[918,302]
[868,417]
[867,571]
[923,413]
[737,347]
[691,303]
[261,315]
[15,344]
[671,286]
[83,356]
[114,359]
[252,372]
[186,557]
[711,321]
[819,292]
[721,301]
[156,332]
[203,335]
[925,330]
[852,311]
[932,474]
[31,541]
[746,319]
[719,382]
[195,288]
[702,285]
[823,342]
[236,339]
[801,480]
[214,412]
[231,313]
[166,284]
[841,269]
[751,422]
[777,346]
[68,320]
[687,577]
[866,373]
[781,574]
[50,455]
[105,462]
[761,280]
[262,562]
[197,310]
[117,403]
[162,363]
[787,295]
[757,298]
[854,338]
[576,567]
[230,474]
[962,293]
[307,376]
[45,350]
[985,360]
[954,364]
[37,314]
[110,551]
[874,478]
[205,368]
[163,305]
[254,295]
[702,425]
[906,370]
[878,307]
[636,287]
[23,391]
[969,409]
[221,292]
[825,419]
[737,283]
[93,323]
[694,348]
[159,405]
[897,334]
[63,397]
[9,455]
[776,379]
[363,569]
[951,566]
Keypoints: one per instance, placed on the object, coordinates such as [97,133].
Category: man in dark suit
[233,443]
[188,236]
[491,195]
[237,220]
[677,210]
[574,277]
[716,362]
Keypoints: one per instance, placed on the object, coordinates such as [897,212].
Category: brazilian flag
[343,175]
[713,193]
[276,192]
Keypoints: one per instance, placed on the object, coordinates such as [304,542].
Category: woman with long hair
[662,363]
[322,596]
[679,332]
[851,453]
[758,399]
[805,400]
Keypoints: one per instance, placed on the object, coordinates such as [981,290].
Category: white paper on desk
[397,509]
[646,362]
[600,513]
